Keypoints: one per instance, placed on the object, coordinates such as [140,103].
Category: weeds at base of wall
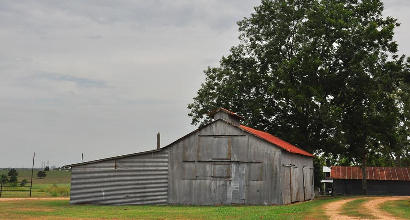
[55,190]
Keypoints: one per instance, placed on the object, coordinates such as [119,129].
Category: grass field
[61,209]
[400,208]
[53,176]
[56,183]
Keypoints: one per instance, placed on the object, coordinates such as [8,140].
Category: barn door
[307,182]
[238,183]
[287,182]
[219,186]
[295,192]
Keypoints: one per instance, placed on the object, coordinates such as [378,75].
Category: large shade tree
[322,74]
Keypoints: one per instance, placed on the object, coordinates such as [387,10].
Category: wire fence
[15,187]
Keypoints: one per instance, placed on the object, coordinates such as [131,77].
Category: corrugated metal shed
[129,179]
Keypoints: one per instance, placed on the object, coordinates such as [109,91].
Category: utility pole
[32,173]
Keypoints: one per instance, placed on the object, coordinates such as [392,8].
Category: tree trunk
[364,176]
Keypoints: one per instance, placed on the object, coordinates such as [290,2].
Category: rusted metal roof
[276,141]
[372,173]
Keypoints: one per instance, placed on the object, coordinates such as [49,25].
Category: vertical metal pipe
[158,141]
[32,172]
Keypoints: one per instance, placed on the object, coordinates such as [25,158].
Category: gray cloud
[79,81]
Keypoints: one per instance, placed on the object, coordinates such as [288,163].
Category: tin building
[380,180]
[222,162]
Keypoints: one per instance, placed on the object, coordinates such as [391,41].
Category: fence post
[32,172]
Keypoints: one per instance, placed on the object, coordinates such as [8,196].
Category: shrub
[41,174]
[23,182]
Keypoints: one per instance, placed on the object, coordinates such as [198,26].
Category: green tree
[318,163]
[13,176]
[3,179]
[322,74]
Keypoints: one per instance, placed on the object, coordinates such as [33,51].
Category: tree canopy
[12,175]
[322,74]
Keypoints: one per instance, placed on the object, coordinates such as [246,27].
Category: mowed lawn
[60,209]
[56,183]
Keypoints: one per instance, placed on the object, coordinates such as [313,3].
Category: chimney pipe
[158,141]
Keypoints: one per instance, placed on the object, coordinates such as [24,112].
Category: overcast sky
[103,77]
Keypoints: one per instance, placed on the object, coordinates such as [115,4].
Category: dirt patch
[28,199]
[35,209]
[334,209]
[374,206]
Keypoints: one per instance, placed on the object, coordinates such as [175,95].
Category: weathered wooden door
[294,183]
[308,182]
[286,184]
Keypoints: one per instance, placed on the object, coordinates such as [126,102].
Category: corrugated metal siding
[372,173]
[141,179]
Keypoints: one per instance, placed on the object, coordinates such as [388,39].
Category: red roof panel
[373,173]
[349,172]
[376,174]
[276,141]
[400,174]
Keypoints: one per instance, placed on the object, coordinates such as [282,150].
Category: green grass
[61,209]
[399,208]
[40,191]
[355,209]
[56,183]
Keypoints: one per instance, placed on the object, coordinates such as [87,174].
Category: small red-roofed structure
[380,180]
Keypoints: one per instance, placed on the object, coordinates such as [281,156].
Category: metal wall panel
[141,179]
[296,178]
[221,164]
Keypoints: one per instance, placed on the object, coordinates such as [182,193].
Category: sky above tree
[102,77]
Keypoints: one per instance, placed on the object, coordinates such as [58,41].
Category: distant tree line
[11,178]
